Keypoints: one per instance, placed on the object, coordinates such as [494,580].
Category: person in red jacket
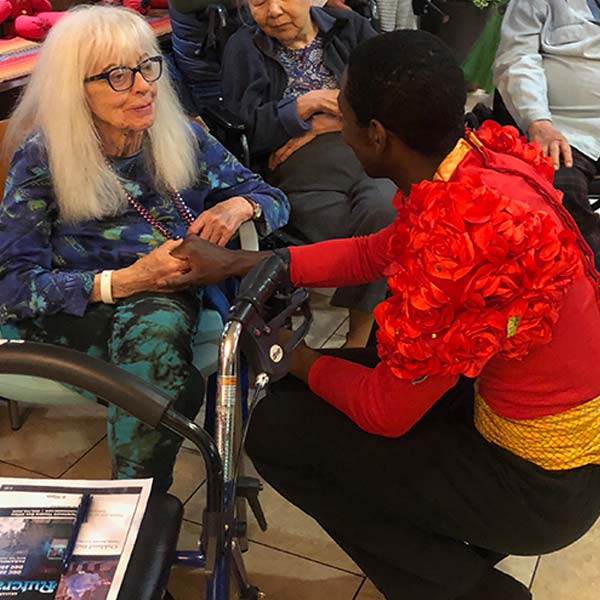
[474,431]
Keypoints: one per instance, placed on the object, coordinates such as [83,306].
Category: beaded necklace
[182,208]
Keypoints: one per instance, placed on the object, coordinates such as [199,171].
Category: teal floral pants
[148,335]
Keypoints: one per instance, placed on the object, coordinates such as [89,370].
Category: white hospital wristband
[106,287]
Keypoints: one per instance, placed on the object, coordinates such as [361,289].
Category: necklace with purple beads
[182,208]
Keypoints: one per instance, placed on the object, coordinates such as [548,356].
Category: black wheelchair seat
[148,571]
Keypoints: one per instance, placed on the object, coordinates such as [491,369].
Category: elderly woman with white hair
[107,176]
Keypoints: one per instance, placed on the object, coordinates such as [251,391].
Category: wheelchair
[266,303]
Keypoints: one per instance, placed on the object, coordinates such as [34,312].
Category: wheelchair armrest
[248,236]
[221,117]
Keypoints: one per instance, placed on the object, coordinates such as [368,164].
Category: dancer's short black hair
[411,83]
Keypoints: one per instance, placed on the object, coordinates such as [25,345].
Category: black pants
[425,515]
[574,183]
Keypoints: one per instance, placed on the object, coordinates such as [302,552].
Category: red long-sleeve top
[552,378]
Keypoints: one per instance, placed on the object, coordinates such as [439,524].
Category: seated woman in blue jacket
[281,76]
[106,178]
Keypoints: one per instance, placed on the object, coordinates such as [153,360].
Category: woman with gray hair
[281,76]
[107,176]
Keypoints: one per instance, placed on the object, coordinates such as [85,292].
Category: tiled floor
[294,559]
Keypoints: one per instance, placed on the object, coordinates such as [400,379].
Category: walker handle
[257,287]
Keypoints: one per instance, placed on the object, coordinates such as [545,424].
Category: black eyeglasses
[121,79]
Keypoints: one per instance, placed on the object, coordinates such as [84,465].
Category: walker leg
[247,591]
[217,587]
[241,522]
[241,517]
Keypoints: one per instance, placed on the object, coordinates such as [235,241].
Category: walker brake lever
[261,344]
[267,290]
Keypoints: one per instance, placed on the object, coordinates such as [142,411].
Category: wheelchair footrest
[249,488]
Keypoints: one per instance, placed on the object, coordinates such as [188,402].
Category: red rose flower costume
[475,273]
[489,278]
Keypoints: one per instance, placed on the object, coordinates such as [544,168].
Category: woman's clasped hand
[150,272]
[319,124]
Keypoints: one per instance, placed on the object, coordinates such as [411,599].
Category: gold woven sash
[563,441]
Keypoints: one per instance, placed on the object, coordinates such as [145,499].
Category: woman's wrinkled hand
[319,124]
[207,263]
[218,224]
[148,273]
[289,148]
[325,124]
[318,101]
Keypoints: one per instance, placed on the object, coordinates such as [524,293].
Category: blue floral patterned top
[47,266]
[305,69]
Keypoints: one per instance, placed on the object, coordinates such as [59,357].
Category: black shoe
[496,585]
[491,557]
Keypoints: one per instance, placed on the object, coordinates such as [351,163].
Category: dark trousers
[425,515]
[574,183]
[330,197]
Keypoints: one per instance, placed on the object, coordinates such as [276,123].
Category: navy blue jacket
[194,56]
[254,81]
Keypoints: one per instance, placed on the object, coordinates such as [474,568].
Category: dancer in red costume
[474,432]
